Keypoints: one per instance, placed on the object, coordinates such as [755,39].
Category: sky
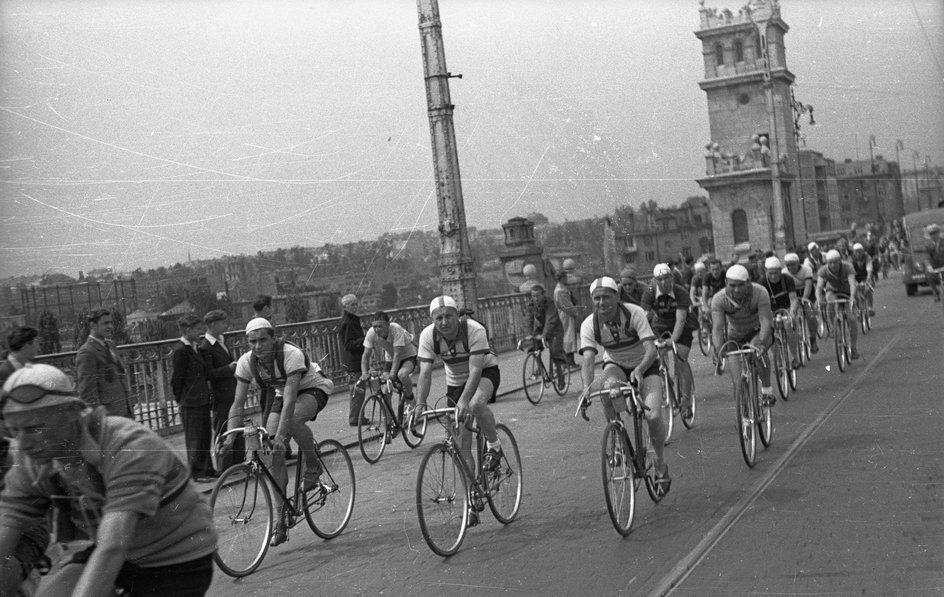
[138,133]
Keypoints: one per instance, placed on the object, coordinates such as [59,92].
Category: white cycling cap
[738,273]
[832,255]
[933,228]
[791,258]
[443,302]
[699,266]
[773,263]
[604,282]
[812,246]
[258,323]
[661,269]
[858,247]
[50,387]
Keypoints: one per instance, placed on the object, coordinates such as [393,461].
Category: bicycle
[242,501]
[449,495]
[865,316]
[823,328]
[671,387]
[783,366]
[378,424]
[803,330]
[704,329]
[534,369]
[624,464]
[841,338]
[753,417]
[938,289]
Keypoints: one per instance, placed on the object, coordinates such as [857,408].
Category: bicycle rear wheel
[668,405]
[744,405]
[619,481]
[373,429]
[242,516]
[560,377]
[503,485]
[414,428]
[533,371]
[442,500]
[781,367]
[328,509]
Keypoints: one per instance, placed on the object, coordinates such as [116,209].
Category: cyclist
[814,260]
[935,258]
[864,272]
[836,280]
[699,271]
[803,280]
[669,310]
[545,325]
[631,289]
[745,307]
[301,392]
[712,282]
[783,295]
[629,353]
[109,482]
[472,375]
[396,345]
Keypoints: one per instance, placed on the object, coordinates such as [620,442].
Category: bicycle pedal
[473,519]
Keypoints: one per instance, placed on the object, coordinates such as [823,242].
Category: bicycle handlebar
[626,388]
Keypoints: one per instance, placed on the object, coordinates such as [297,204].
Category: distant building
[70,301]
[656,234]
[869,192]
[819,192]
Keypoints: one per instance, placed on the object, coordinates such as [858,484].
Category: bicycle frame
[840,314]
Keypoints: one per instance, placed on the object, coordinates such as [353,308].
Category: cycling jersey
[803,274]
[396,336]
[664,305]
[621,340]
[861,267]
[714,285]
[780,292]
[743,317]
[456,354]
[837,283]
[294,361]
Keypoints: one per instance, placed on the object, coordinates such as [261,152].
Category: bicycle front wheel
[619,482]
[744,405]
[668,405]
[442,500]
[839,340]
[242,516]
[532,372]
[560,377]
[373,429]
[503,485]
[704,338]
[781,367]
[414,428]
[328,509]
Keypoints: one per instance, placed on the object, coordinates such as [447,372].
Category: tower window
[738,51]
[739,225]
[757,47]
[719,54]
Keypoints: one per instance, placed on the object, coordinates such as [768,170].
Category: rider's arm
[289,394]
[236,410]
[765,315]
[111,550]
[423,382]
[476,364]
[821,290]
[717,324]
[365,361]
[852,288]
[680,316]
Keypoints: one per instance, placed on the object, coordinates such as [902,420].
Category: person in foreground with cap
[783,296]
[864,272]
[803,282]
[836,280]
[744,306]
[935,258]
[472,375]
[301,392]
[629,354]
[149,531]
[670,310]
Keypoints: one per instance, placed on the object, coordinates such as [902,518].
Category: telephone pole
[455,257]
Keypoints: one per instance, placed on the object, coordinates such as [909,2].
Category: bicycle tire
[803,328]
[781,367]
[762,416]
[503,486]
[668,405]
[533,370]
[442,500]
[822,325]
[791,371]
[619,478]
[373,429]
[329,509]
[689,422]
[242,516]
[745,422]
[838,341]
[559,387]
[704,338]
[413,430]
[646,456]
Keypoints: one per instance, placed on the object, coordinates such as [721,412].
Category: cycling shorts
[492,374]
[685,339]
[318,395]
[388,364]
[652,370]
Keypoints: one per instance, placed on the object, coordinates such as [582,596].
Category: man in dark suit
[220,366]
[23,347]
[351,338]
[192,393]
[100,375]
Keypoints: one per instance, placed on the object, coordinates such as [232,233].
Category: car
[915,257]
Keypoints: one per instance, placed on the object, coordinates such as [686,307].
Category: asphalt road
[847,500]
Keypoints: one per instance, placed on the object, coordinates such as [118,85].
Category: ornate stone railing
[149,363]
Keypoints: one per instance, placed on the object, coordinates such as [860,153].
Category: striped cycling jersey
[839,282]
[744,317]
[622,340]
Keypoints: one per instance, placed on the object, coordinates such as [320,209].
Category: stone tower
[751,158]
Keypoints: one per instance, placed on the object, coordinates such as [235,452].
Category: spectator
[101,376]
[569,313]
[192,393]
[151,532]
[263,306]
[351,337]
[220,368]
[24,347]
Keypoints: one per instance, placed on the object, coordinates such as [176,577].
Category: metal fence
[148,364]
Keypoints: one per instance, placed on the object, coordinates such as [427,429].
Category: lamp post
[878,204]
[799,109]
[927,180]
[914,169]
